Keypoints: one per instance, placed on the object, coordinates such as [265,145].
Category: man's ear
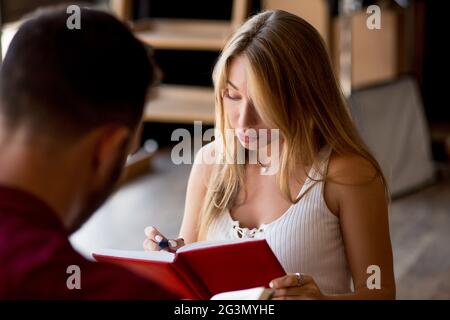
[112,144]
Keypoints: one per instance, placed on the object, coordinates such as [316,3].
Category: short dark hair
[66,82]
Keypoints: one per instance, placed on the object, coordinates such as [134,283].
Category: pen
[164,243]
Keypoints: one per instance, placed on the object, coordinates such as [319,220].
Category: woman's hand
[297,286]
[154,237]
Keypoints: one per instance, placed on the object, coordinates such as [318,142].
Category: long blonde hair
[294,89]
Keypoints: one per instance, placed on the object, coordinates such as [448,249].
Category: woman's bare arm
[196,190]
[356,195]
[363,212]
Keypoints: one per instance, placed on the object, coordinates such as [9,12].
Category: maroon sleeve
[35,255]
[97,280]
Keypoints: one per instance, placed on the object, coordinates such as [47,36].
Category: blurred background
[394,79]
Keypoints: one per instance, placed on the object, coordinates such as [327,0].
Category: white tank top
[306,238]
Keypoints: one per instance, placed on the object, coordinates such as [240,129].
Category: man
[70,105]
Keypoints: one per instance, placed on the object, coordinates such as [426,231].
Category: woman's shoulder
[207,155]
[351,178]
[351,168]
[205,161]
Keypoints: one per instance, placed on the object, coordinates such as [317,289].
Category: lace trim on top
[242,232]
[246,232]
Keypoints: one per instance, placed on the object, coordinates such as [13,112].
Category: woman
[325,212]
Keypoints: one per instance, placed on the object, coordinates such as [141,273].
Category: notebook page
[162,256]
[207,244]
[258,293]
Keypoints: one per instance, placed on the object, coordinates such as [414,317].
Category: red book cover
[204,269]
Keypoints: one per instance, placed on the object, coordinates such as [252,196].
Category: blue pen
[164,243]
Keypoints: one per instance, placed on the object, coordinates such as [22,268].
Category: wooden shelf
[182,34]
[138,164]
[181,104]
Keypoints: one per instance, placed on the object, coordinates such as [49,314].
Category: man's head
[79,93]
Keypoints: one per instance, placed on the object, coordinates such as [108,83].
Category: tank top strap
[318,170]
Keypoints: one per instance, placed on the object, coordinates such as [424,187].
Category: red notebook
[204,269]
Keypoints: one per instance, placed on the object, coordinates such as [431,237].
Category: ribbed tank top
[306,238]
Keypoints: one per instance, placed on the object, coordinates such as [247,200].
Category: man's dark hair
[66,82]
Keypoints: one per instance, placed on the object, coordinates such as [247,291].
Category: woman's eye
[231,96]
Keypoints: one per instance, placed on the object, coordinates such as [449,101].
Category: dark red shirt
[35,253]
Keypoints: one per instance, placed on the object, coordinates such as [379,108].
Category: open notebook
[258,293]
[204,270]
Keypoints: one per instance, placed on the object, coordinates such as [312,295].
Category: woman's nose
[247,116]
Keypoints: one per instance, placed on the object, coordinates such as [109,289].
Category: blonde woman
[325,212]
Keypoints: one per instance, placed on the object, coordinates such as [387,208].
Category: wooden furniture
[361,57]
[136,165]
[375,54]
[178,103]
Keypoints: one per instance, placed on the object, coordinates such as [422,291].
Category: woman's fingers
[151,232]
[295,286]
[299,292]
[150,245]
[175,244]
[283,282]
[154,238]
[291,298]
[289,280]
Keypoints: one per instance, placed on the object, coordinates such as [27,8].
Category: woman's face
[239,108]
